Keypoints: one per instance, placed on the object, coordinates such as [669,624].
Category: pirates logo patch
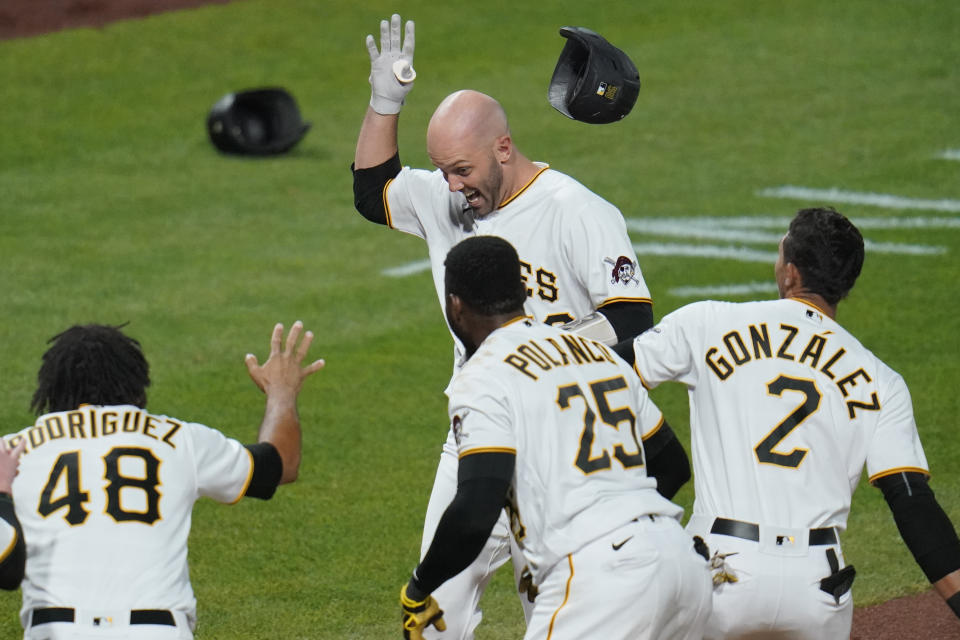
[457,426]
[624,271]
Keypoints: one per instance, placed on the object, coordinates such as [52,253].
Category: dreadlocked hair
[827,250]
[93,364]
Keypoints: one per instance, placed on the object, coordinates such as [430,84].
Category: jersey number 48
[73,497]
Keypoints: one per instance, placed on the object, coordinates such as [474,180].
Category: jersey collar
[543,168]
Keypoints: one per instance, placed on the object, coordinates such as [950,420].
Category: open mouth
[473,198]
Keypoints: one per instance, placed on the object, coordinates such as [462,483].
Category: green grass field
[115,208]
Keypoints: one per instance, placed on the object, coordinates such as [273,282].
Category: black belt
[137,616]
[750,531]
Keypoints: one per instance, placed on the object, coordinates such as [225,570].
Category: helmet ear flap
[256,122]
[593,81]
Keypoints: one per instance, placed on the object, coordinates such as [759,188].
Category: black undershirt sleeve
[12,566]
[924,527]
[267,470]
[667,460]
[628,319]
[368,186]
[482,483]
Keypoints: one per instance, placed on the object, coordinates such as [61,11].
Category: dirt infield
[923,617]
[22,18]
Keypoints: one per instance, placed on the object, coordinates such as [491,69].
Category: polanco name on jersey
[578,351]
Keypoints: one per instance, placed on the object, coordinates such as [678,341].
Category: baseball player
[577,261]
[12,547]
[551,423]
[786,407]
[106,490]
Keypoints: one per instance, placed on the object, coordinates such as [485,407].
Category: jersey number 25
[585,460]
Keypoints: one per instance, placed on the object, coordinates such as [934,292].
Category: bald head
[466,116]
[469,140]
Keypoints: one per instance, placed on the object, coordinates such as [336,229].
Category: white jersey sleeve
[895,445]
[418,202]
[665,352]
[596,243]
[224,466]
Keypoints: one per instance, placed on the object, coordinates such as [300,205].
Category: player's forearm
[628,319]
[281,428]
[667,460]
[926,530]
[461,533]
[949,589]
[377,141]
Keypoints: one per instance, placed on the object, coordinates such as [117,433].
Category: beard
[489,189]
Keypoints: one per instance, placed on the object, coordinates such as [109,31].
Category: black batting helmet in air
[256,122]
[594,81]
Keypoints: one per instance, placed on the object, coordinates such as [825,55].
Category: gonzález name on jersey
[737,353]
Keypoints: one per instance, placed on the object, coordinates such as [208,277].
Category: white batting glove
[391,68]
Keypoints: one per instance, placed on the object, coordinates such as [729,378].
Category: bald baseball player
[550,423]
[786,408]
[578,264]
[13,550]
[106,489]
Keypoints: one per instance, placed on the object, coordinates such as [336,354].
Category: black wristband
[954,603]
[414,592]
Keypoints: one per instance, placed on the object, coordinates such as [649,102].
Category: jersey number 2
[585,461]
[67,466]
[811,402]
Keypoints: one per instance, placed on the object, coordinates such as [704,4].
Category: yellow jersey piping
[488,450]
[566,596]
[890,472]
[523,188]
[386,204]
[246,484]
[11,546]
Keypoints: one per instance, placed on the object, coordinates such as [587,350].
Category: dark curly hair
[94,364]
[827,250]
[484,271]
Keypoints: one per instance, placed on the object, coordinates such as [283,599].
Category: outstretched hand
[9,461]
[391,67]
[282,371]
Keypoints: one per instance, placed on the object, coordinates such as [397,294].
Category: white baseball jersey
[785,408]
[574,414]
[105,496]
[573,245]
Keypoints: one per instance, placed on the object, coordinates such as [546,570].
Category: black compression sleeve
[628,319]
[667,461]
[267,470]
[483,480]
[924,527]
[12,565]
[368,186]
